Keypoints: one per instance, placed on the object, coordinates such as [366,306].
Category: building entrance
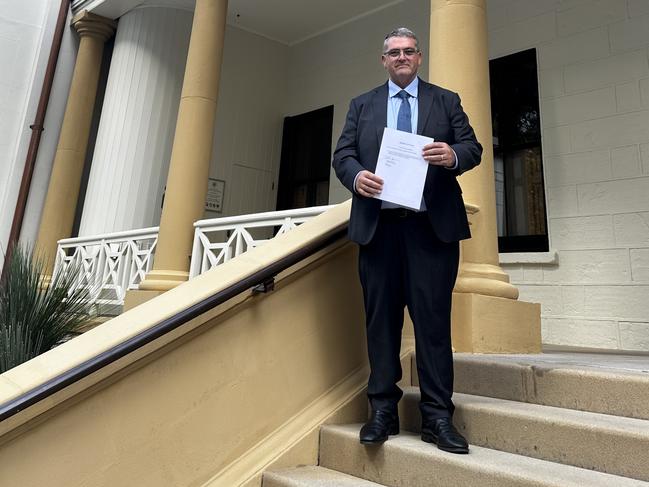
[306,159]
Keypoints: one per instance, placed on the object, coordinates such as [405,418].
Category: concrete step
[312,476]
[609,384]
[406,461]
[610,444]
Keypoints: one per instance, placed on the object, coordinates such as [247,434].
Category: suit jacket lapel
[426,105]
[380,109]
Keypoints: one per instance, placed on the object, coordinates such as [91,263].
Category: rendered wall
[594,87]
[26,30]
[53,121]
[334,67]
[263,81]
[249,121]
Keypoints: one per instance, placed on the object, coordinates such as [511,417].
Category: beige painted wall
[209,398]
[215,400]
[263,81]
[332,68]
[249,122]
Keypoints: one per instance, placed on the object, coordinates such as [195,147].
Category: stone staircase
[561,420]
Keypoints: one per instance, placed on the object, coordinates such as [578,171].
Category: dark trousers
[405,264]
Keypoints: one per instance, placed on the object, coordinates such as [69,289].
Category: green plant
[36,315]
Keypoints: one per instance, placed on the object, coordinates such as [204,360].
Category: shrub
[36,315]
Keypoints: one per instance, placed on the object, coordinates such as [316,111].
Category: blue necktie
[404,122]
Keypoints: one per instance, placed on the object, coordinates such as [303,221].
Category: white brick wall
[644,155]
[590,14]
[638,7]
[576,168]
[577,233]
[593,60]
[634,336]
[631,229]
[640,265]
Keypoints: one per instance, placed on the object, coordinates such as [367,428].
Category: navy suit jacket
[440,116]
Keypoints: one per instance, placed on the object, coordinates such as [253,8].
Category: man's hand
[439,154]
[368,184]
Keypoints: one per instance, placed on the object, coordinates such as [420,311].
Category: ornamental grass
[37,313]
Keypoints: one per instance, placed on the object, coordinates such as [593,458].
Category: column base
[486,279]
[136,297]
[163,280]
[487,324]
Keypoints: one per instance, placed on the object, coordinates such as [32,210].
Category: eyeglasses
[395,53]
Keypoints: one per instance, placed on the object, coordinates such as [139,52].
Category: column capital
[92,25]
[435,4]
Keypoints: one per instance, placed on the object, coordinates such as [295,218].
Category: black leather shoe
[380,425]
[442,432]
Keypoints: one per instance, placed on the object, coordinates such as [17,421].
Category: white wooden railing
[111,264]
[220,239]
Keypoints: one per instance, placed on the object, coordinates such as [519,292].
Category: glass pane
[518,164]
[525,211]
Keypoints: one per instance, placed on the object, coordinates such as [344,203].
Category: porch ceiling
[285,21]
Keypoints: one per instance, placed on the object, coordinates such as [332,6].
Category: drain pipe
[37,130]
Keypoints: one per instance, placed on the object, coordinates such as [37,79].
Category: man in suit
[408,258]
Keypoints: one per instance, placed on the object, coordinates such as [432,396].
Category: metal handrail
[167,325]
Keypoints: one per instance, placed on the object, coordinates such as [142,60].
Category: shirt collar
[412,89]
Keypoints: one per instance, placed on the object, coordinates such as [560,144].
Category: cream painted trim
[248,468]
[551,257]
[296,428]
[552,348]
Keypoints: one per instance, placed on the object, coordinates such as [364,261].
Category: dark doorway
[306,159]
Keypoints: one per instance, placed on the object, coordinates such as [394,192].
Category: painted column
[192,148]
[459,61]
[131,158]
[63,190]
[486,314]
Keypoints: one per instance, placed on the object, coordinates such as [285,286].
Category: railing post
[197,253]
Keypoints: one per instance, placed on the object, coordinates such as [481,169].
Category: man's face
[402,68]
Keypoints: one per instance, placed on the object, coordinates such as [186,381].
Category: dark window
[306,160]
[518,162]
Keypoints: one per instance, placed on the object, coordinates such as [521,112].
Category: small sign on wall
[215,190]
